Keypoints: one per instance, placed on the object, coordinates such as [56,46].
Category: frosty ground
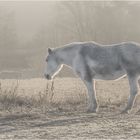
[38,109]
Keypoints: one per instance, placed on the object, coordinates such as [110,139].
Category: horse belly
[110,70]
[114,75]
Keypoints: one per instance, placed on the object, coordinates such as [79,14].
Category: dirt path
[77,125]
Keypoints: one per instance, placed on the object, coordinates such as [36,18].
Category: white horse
[91,61]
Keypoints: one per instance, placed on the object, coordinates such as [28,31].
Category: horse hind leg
[133,83]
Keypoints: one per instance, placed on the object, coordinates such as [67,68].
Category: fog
[27,29]
[29,16]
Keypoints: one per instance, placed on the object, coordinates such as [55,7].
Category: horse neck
[66,56]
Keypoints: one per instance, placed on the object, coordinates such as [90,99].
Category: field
[38,109]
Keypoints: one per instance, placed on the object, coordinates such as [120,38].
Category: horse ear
[49,50]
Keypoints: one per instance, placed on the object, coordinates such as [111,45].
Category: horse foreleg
[92,102]
[133,83]
[83,72]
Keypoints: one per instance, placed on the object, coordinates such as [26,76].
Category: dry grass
[62,94]
[13,97]
[37,108]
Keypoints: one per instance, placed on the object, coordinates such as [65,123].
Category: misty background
[27,29]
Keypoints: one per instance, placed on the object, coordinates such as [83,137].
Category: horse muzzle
[47,76]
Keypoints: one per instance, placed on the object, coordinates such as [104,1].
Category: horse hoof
[91,111]
[124,112]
